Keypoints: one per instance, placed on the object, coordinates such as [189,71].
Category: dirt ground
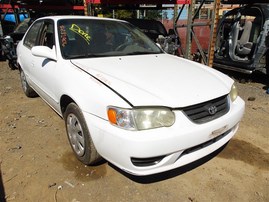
[37,163]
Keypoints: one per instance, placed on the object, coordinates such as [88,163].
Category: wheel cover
[23,81]
[75,134]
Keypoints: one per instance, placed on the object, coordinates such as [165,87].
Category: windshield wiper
[142,53]
[84,56]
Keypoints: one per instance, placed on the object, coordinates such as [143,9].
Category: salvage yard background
[37,164]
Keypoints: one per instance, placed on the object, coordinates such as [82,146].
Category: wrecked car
[243,39]
[156,31]
[10,41]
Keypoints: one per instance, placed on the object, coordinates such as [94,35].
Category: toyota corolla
[123,98]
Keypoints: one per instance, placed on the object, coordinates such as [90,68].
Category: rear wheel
[28,91]
[79,136]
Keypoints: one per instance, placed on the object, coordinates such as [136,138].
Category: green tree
[153,14]
[165,15]
[118,13]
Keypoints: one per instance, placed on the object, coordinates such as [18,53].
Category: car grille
[207,111]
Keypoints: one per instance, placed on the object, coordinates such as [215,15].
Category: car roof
[262,6]
[62,17]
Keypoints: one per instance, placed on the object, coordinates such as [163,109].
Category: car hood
[157,80]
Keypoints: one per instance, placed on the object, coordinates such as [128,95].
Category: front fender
[91,95]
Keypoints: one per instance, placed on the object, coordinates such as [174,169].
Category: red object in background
[201,32]
[138,2]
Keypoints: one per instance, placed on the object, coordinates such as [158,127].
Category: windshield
[83,38]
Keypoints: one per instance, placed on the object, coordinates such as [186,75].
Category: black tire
[267,65]
[12,65]
[79,136]
[28,91]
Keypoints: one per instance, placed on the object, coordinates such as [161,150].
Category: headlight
[141,118]
[233,93]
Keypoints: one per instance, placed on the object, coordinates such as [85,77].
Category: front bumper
[163,149]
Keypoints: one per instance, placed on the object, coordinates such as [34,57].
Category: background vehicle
[156,31]
[243,39]
[10,41]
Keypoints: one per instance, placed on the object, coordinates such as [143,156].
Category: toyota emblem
[212,110]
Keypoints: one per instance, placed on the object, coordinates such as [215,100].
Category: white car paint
[135,81]
[145,81]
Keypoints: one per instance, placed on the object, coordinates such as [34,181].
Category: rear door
[24,50]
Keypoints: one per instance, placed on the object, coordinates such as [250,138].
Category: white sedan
[122,98]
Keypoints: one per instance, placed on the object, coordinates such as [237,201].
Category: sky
[170,13]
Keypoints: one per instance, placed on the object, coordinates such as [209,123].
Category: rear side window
[31,37]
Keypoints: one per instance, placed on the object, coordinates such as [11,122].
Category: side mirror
[44,51]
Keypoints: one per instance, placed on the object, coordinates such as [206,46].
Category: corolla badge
[212,110]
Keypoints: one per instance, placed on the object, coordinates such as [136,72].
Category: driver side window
[47,35]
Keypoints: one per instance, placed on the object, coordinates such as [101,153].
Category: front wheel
[79,136]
